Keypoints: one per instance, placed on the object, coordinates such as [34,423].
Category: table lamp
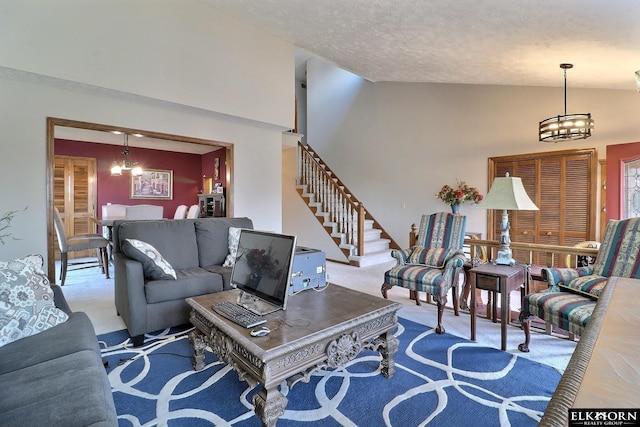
[507,193]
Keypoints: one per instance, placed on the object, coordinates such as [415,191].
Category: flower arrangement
[262,263]
[460,194]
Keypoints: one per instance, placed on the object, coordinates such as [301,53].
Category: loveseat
[51,370]
[159,263]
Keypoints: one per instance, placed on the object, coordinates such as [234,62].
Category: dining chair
[144,212]
[194,211]
[79,242]
[181,212]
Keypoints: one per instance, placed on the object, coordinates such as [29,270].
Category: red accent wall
[187,172]
[616,155]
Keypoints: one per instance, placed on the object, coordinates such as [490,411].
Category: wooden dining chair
[79,242]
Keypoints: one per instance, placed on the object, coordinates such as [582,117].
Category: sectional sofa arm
[130,298]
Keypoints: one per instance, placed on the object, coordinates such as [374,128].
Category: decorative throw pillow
[234,237]
[26,300]
[436,257]
[155,267]
[24,264]
[588,286]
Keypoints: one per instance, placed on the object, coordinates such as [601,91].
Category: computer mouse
[260,331]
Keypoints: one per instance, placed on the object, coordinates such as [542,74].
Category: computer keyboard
[238,314]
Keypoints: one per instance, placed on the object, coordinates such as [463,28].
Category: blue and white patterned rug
[440,380]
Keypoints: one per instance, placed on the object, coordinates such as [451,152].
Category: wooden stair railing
[334,198]
[552,253]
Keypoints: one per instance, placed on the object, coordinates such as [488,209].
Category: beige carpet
[89,291]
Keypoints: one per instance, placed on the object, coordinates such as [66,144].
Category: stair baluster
[342,215]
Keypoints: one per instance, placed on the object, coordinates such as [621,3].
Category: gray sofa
[195,248]
[56,377]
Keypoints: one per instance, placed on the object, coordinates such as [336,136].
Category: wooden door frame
[51,124]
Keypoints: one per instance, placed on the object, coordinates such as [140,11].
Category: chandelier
[568,126]
[126,164]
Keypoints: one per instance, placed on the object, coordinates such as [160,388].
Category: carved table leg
[197,341]
[387,345]
[269,406]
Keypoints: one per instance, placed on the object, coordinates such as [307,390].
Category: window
[631,197]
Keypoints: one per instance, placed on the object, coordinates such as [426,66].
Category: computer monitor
[262,270]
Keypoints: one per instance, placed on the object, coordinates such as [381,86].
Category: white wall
[163,67]
[395,144]
[178,51]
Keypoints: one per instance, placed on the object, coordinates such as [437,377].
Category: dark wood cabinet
[212,205]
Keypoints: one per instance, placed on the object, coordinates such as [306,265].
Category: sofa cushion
[431,257]
[416,277]
[213,238]
[190,282]
[588,286]
[70,390]
[567,310]
[175,239]
[76,334]
[26,301]
[225,272]
[153,264]
[234,239]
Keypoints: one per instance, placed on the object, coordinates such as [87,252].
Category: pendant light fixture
[126,164]
[566,127]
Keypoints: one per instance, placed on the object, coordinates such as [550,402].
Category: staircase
[354,230]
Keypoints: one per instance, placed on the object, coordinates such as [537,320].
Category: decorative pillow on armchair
[436,257]
[588,286]
[26,300]
[155,267]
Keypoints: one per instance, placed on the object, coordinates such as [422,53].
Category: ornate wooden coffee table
[318,330]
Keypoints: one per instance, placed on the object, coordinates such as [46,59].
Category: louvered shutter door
[562,185]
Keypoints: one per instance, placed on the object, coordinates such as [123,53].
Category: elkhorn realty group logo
[604,417]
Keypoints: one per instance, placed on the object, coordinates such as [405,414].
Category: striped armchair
[573,292]
[433,264]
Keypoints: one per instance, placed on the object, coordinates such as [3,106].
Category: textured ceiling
[501,42]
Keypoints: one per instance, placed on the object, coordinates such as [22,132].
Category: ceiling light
[568,126]
[126,164]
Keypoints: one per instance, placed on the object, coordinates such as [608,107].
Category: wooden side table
[498,278]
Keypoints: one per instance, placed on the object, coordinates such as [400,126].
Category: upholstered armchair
[573,292]
[433,264]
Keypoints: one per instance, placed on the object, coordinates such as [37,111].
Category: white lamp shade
[508,193]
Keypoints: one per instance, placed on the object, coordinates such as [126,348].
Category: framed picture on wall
[152,184]
[216,168]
